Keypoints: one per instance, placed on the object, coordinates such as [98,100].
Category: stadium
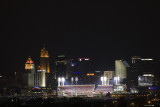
[84,90]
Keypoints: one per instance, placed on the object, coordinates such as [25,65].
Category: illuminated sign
[149,75]
[146,59]
[86,59]
[40,70]
[90,74]
[152,88]
[36,88]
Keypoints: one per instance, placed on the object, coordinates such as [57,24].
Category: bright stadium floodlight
[76,79]
[59,81]
[72,79]
[102,79]
[63,80]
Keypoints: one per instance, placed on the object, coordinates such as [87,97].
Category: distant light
[105,78]
[73,64]
[63,79]
[0,76]
[40,70]
[139,78]
[101,78]
[76,79]
[59,79]
[146,59]
[90,74]
[152,88]
[36,88]
[147,75]
[97,71]
[86,59]
[72,79]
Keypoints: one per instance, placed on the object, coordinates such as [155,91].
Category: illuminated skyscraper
[120,69]
[30,70]
[44,60]
[40,79]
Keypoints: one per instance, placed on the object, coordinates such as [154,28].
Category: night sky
[101,31]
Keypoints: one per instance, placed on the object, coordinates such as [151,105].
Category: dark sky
[102,31]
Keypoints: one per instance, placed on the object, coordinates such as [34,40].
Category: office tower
[138,67]
[44,60]
[40,80]
[120,69]
[29,71]
[62,67]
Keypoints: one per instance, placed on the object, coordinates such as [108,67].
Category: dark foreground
[78,102]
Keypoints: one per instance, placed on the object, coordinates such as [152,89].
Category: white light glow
[63,79]
[146,59]
[72,79]
[101,78]
[76,79]
[59,79]
[147,75]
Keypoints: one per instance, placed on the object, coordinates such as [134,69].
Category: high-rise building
[62,67]
[29,71]
[120,69]
[44,60]
[40,78]
[139,67]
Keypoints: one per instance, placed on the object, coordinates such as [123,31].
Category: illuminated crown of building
[29,61]
[29,64]
[44,53]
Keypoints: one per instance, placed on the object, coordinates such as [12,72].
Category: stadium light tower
[72,79]
[76,79]
[61,80]
[103,79]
